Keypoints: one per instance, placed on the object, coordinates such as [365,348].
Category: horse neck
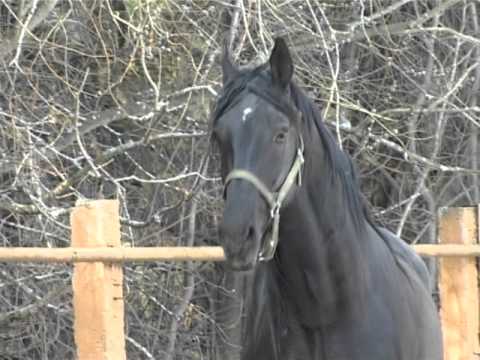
[320,249]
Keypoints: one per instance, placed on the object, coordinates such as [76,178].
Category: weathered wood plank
[98,286]
[177,253]
[459,285]
[119,254]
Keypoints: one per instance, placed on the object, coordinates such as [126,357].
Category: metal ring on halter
[275,209]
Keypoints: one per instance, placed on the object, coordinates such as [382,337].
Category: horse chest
[281,336]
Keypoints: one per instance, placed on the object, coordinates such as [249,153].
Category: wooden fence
[98,255]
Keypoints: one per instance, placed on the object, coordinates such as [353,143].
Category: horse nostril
[250,233]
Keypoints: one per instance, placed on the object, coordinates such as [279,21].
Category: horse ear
[281,64]
[228,68]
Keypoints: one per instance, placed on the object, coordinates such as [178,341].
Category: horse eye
[280,137]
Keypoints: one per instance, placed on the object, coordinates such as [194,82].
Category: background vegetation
[111,99]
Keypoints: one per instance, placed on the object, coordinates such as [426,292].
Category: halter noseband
[274,199]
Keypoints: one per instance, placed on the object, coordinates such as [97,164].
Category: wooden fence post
[459,285]
[98,286]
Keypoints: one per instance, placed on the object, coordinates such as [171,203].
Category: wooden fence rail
[97,255]
[175,253]
[110,254]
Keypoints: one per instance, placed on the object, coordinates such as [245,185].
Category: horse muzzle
[241,248]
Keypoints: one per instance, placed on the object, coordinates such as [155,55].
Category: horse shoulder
[405,254]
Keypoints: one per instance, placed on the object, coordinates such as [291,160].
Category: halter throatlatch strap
[273,199]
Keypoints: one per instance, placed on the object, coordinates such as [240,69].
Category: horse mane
[343,169]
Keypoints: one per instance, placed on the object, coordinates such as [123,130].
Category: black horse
[337,286]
